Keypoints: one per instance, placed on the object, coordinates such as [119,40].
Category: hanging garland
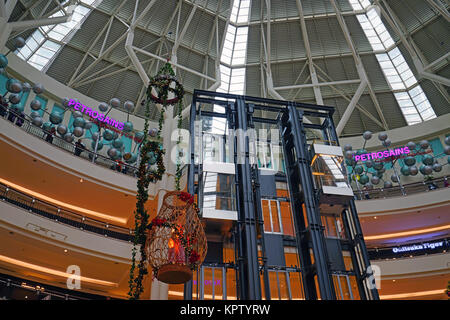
[162,84]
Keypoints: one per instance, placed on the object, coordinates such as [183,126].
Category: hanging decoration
[178,230]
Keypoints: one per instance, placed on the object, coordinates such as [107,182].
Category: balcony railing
[73,219]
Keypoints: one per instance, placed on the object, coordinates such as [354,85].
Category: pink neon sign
[381,154]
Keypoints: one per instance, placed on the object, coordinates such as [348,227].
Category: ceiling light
[81,180]
[65,250]
[406,233]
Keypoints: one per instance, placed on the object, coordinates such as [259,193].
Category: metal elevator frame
[304,199]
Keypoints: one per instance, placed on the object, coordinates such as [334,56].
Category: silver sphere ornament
[103,107]
[108,135]
[447,140]
[424,144]
[394,178]
[368,186]
[78,132]
[386,143]
[56,117]
[411,146]
[88,125]
[38,121]
[437,167]
[26,87]
[128,126]
[14,98]
[112,152]
[375,180]
[447,150]
[427,170]
[68,137]
[38,88]
[348,147]
[34,114]
[153,132]
[35,105]
[128,105]
[19,42]
[77,114]
[387,184]
[382,136]
[413,170]
[14,86]
[117,143]
[367,135]
[61,129]
[79,122]
[114,102]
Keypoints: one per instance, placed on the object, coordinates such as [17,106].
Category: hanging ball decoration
[447,140]
[26,87]
[138,136]
[387,184]
[386,143]
[112,153]
[128,105]
[14,85]
[118,155]
[426,170]
[424,144]
[411,146]
[38,88]
[65,102]
[348,147]
[79,122]
[410,161]
[405,170]
[378,166]
[34,114]
[369,164]
[375,180]
[151,158]
[117,143]
[47,126]
[3,61]
[348,154]
[38,121]
[128,126]
[99,145]
[68,137]
[413,170]
[14,98]
[363,179]
[447,150]
[359,169]
[382,136]
[350,162]
[35,105]
[19,42]
[367,135]
[87,125]
[394,178]
[437,167]
[427,159]
[108,135]
[77,114]
[61,129]
[114,102]
[56,117]
[368,186]
[131,159]
[103,107]
[78,132]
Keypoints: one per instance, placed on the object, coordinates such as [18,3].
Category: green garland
[161,82]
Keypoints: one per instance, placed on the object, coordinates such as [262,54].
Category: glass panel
[354,287]
[231,284]
[295,281]
[286,218]
[207,283]
[344,287]
[275,218]
[266,216]
[217,284]
[273,285]
[284,290]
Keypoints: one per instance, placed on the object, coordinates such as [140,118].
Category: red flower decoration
[158,222]
[187,197]
[194,257]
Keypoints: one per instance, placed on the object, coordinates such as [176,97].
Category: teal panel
[88,133]
[437,147]
[126,144]
[24,99]
[3,80]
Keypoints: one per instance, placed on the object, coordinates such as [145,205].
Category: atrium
[224,150]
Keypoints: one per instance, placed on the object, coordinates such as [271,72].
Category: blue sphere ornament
[78,132]
[108,135]
[410,161]
[153,132]
[3,61]
[112,153]
[38,88]
[128,126]
[56,117]
[118,143]
[367,135]
[79,122]
[363,179]
[19,42]
[382,136]
[359,169]
[437,167]
[405,170]
[427,159]
[99,146]
[447,150]
[14,98]
[139,136]
[114,102]
[103,107]
[47,126]
[128,105]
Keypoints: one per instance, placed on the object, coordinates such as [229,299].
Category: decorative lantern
[176,242]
